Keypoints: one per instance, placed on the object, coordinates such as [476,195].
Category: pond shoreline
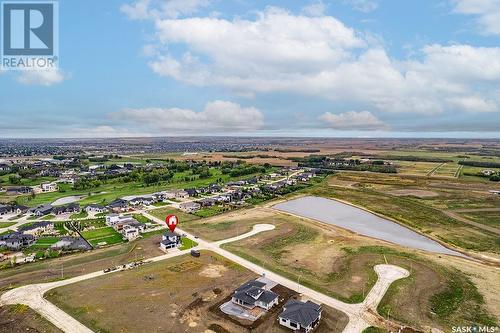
[363,223]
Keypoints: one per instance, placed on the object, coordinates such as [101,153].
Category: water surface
[361,222]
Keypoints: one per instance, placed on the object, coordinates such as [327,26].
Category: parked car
[195,253]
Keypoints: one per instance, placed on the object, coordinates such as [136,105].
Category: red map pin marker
[172,222]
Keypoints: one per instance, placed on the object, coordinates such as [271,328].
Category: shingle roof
[303,313]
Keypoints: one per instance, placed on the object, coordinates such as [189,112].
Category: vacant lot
[487,217]
[341,265]
[178,295]
[447,170]
[20,318]
[162,213]
[106,235]
[415,168]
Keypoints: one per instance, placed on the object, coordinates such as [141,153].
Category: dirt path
[455,216]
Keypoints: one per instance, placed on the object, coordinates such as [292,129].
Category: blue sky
[363,68]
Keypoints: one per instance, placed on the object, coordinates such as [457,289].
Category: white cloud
[351,120]
[487,13]
[145,9]
[364,6]
[41,77]
[216,117]
[320,56]
[315,9]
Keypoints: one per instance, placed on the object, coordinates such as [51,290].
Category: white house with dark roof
[170,240]
[92,208]
[300,316]
[189,207]
[254,293]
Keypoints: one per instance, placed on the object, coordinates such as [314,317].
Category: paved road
[359,315]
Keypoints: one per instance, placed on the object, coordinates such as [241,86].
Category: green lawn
[100,233]
[6,224]
[187,243]
[110,240]
[211,211]
[162,213]
[83,214]
[45,242]
[141,218]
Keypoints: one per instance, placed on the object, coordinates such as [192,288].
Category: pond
[362,222]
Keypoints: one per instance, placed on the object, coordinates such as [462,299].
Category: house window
[293,324]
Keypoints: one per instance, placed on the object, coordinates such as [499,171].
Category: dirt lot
[19,318]
[178,295]
[78,264]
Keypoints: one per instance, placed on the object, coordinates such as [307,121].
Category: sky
[338,68]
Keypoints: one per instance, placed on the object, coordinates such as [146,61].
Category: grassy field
[211,211]
[415,168]
[6,224]
[491,218]
[20,318]
[45,242]
[106,234]
[162,213]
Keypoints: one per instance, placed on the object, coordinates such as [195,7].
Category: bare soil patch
[19,318]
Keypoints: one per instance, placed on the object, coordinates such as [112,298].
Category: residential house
[189,207]
[46,188]
[207,202]
[42,210]
[130,232]
[71,208]
[192,192]
[95,209]
[15,190]
[119,205]
[254,293]
[19,209]
[37,228]
[488,172]
[5,209]
[4,167]
[300,316]
[170,240]
[181,194]
[16,240]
